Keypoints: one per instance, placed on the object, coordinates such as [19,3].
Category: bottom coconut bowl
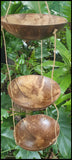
[36,132]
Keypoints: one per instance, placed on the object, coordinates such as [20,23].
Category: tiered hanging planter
[34,92]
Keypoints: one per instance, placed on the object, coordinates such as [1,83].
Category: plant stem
[8,150]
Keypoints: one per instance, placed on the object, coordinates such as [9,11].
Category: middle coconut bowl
[33,92]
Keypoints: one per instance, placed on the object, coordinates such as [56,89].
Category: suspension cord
[47,8]
[7,11]
[52,81]
[41,57]
[39,7]
[54,52]
[41,40]
[53,71]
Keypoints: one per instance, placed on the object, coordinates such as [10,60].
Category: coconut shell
[36,132]
[33,92]
[32,26]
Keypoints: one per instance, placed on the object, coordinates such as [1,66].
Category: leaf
[68,105]
[5,101]
[62,77]
[4,114]
[3,77]
[62,51]
[32,62]
[7,142]
[33,5]
[48,64]
[55,148]
[4,6]
[67,10]
[15,8]
[1,40]
[11,72]
[64,82]
[64,139]
[4,155]
[24,154]
[45,52]
[54,7]
[68,39]
[12,56]
[21,61]
[63,98]
[7,139]
[38,69]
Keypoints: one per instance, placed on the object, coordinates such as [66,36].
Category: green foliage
[4,6]
[5,105]
[3,77]
[62,70]
[63,98]
[16,7]
[20,153]
[67,10]
[64,139]
[33,6]
[54,6]
[63,51]
[62,147]
[7,139]
[5,101]
[13,44]
[68,38]
[4,114]
[68,104]
[64,74]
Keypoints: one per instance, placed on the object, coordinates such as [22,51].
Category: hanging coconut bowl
[33,92]
[36,132]
[32,26]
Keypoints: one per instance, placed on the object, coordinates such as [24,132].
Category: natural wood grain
[33,92]
[32,26]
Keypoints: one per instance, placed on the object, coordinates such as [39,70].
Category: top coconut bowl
[32,26]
